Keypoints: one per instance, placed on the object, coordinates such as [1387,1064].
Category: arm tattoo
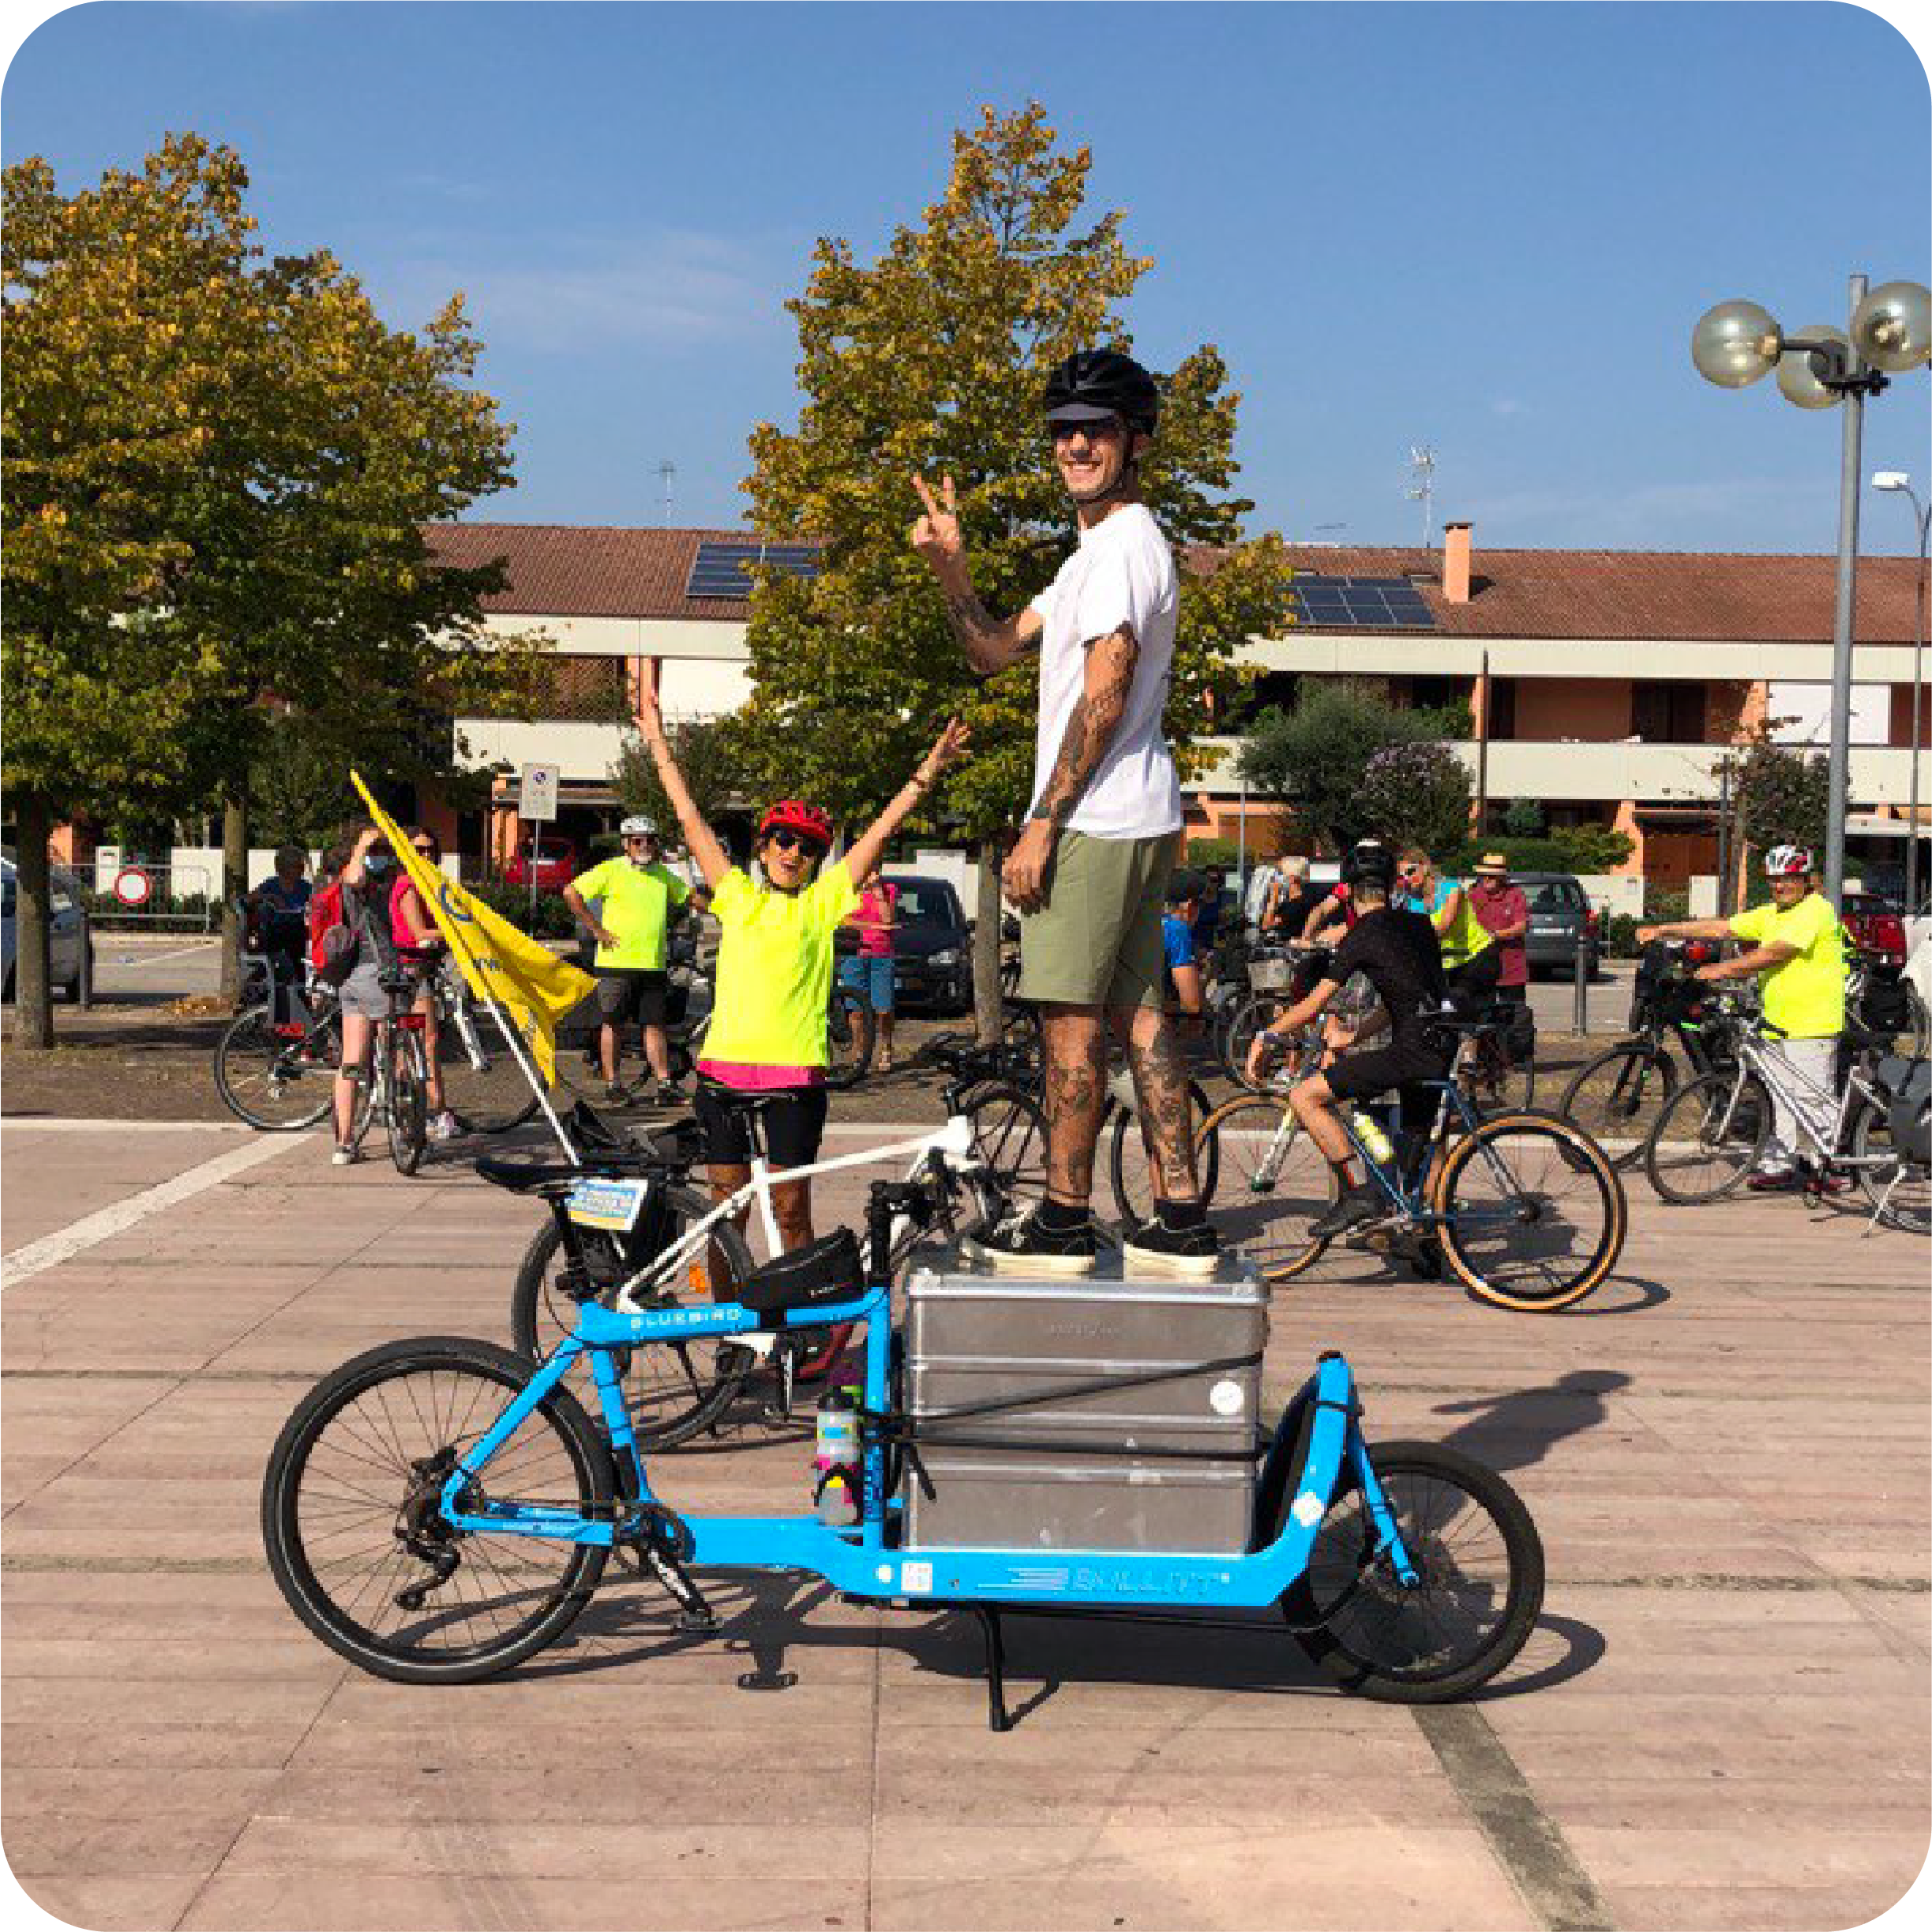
[1096,717]
[982,634]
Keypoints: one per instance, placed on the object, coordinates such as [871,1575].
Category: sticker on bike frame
[1307,1510]
[915,1577]
[613,1206]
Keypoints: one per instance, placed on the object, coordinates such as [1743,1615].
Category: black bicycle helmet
[1092,384]
[1369,863]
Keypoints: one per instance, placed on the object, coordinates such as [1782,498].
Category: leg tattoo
[1166,1117]
[1076,1097]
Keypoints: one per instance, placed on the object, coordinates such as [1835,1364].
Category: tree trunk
[233,887]
[987,1008]
[33,993]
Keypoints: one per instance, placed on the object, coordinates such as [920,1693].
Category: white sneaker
[445,1126]
[343,1156]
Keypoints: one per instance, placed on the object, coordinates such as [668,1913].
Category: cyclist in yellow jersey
[1471,961]
[774,966]
[1797,949]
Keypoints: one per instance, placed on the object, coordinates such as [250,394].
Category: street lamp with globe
[1890,333]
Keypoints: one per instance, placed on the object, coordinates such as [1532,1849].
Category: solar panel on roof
[1359,603]
[719,570]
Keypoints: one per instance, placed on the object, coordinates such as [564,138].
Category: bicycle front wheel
[485,1089]
[357,1543]
[675,1389]
[1009,1134]
[1479,1586]
[1532,1215]
[1709,1136]
[1256,1012]
[1616,1099]
[275,1080]
[1272,1181]
[409,1103]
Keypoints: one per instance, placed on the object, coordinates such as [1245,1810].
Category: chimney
[1455,563]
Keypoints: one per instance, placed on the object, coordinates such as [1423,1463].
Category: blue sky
[1488,227]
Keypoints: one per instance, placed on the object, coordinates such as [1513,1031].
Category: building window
[1667,714]
[1502,707]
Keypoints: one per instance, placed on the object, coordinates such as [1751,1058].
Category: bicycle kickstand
[997,1716]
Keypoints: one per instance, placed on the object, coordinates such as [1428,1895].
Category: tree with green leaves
[217,469]
[932,360]
[1416,793]
[1314,757]
[707,754]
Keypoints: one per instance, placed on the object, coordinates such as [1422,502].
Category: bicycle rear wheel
[1534,1216]
[1900,1199]
[488,1093]
[1499,1083]
[1708,1138]
[1478,1590]
[1272,1181]
[851,1030]
[353,1531]
[1127,1170]
[1009,1133]
[1616,1097]
[277,1080]
[675,1389]
[409,1102]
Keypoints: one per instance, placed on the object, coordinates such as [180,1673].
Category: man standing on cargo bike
[1089,870]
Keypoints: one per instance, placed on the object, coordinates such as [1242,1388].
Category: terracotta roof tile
[576,570]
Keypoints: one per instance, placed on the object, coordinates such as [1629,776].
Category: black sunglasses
[795,842]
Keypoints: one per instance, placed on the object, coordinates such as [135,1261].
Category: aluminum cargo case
[973,1337]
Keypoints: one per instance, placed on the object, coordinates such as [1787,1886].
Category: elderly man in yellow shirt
[1798,946]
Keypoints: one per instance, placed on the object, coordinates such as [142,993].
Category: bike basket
[1268,975]
[825,1269]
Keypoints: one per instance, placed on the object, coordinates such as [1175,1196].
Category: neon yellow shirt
[637,903]
[774,968]
[1467,936]
[1805,996]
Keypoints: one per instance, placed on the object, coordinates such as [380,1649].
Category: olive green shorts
[1097,941]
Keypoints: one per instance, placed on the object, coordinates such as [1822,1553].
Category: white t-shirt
[1122,573]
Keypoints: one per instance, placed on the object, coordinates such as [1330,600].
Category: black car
[1561,917]
[932,951]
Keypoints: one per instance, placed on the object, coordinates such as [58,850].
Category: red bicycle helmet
[1788,862]
[793,815]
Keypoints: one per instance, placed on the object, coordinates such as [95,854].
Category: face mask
[377,867]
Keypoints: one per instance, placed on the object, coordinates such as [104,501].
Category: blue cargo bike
[438,1510]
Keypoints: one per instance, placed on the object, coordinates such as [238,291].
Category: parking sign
[538,797]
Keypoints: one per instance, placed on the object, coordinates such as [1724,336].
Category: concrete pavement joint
[37,1256]
[1528,1842]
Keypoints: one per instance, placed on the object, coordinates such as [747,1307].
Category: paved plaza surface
[1722,1720]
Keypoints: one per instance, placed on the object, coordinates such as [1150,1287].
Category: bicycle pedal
[695,1623]
[767,1680]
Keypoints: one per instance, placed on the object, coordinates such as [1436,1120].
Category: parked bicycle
[1524,1208]
[1713,1133]
[1615,1098]
[633,1225]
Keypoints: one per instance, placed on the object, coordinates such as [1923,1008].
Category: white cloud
[1509,405]
[666,287]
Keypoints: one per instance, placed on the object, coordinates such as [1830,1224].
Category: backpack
[333,941]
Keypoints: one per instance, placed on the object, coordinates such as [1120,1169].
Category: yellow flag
[533,987]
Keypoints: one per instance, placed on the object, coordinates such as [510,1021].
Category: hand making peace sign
[936,535]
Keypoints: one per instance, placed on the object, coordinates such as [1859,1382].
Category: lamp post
[1921,515]
[1890,331]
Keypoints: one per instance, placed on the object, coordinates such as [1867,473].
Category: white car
[68,940]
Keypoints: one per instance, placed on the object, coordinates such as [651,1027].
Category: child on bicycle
[1397,951]
[774,967]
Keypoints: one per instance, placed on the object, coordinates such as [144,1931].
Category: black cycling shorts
[1403,1064]
[1472,984]
[794,1123]
[627,993]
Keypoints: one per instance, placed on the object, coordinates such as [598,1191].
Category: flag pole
[528,1070]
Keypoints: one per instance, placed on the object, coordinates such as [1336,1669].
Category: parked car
[69,939]
[932,949]
[1560,915]
[1875,922]
[558,861]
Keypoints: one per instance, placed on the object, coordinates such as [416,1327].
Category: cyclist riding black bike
[1398,953]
